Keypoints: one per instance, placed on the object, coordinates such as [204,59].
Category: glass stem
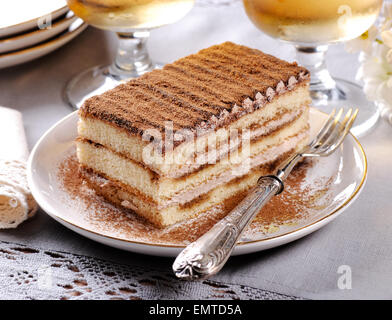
[321,83]
[132,59]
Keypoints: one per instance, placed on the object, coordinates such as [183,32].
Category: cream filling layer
[119,140]
[160,189]
[226,148]
[266,157]
[269,156]
[118,194]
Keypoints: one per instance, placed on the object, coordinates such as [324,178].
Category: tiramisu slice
[197,134]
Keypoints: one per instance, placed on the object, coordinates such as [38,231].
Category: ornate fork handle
[208,254]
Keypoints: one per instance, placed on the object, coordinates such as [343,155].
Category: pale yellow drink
[126,15]
[313,21]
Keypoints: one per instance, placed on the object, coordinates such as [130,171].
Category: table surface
[41,259]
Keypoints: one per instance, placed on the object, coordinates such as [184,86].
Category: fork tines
[332,134]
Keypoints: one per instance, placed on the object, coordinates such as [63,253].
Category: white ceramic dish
[348,165]
[18,16]
[31,53]
[28,39]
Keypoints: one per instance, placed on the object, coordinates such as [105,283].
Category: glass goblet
[311,25]
[132,21]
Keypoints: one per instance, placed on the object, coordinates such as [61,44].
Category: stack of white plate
[30,29]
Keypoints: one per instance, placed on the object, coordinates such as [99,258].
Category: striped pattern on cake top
[202,91]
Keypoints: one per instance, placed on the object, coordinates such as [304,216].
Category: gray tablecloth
[78,268]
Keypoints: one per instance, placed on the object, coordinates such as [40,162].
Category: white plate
[348,165]
[25,55]
[20,15]
[25,40]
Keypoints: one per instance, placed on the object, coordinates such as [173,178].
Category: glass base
[97,80]
[348,95]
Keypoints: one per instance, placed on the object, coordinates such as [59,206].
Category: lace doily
[31,273]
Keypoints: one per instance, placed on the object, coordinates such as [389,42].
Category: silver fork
[207,255]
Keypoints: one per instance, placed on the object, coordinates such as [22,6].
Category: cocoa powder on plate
[92,212]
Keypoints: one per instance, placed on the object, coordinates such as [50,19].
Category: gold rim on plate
[241,243]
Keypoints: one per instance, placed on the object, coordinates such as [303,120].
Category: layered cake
[183,140]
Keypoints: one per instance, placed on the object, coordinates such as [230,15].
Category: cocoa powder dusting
[92,212]
[199,88]
[292,204]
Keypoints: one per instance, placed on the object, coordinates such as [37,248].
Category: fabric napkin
[16,202]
